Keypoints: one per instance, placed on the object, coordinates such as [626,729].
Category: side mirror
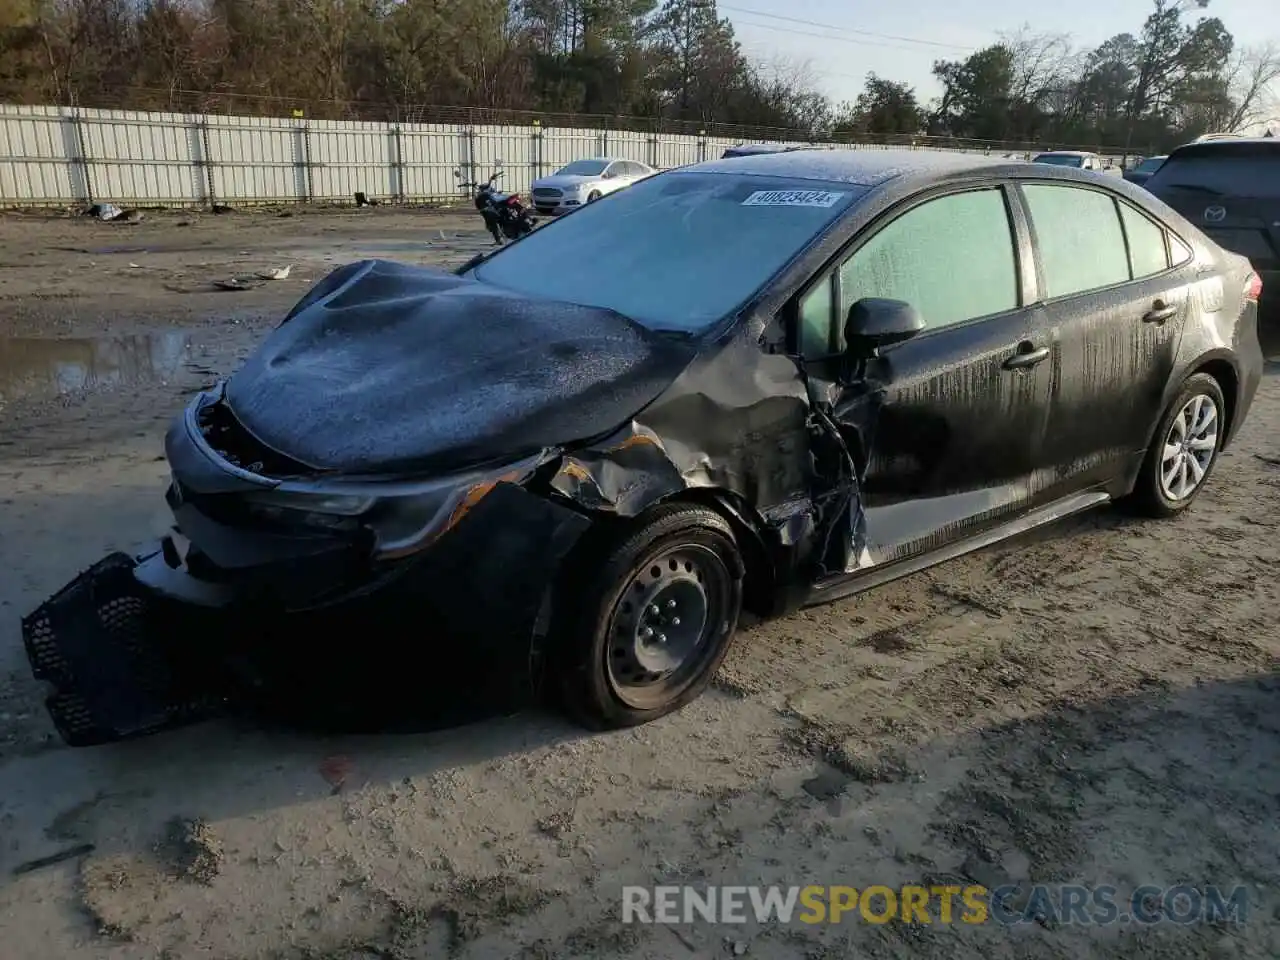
[874,323]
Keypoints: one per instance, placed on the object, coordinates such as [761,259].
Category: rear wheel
[1183,450]
[653,619]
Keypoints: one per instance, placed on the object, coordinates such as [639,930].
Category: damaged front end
[373,515]
[364,603]
[353,515]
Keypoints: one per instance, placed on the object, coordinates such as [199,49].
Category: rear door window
[1079,239]
[1148,253]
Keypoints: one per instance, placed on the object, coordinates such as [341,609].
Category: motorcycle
[505,215]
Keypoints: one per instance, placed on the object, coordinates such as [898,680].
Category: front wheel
[593,196]
[653,617]
[1183,450]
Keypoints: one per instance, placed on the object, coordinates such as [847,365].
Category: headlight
[339,513]
[405,525]
[403,517]
[341,505]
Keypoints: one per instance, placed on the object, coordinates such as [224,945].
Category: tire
[1151,495]
[606,677]
[593,196]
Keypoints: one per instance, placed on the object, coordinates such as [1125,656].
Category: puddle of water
[34,367]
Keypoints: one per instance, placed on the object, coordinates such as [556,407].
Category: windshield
[583,168]
[676,252]
[1060,159]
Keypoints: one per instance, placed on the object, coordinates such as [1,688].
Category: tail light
[1253,287]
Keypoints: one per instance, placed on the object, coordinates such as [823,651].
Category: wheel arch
[1223,370]
[758,568]
[759,571]
[1219,364]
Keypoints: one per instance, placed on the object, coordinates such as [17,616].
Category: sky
[843,40]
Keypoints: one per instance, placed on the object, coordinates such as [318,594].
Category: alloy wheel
[1189,447]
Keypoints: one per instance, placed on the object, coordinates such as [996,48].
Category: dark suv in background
[1230,189]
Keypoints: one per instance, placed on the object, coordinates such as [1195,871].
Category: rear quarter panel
[1221,332]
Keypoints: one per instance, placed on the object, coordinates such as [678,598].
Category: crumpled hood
[391,368]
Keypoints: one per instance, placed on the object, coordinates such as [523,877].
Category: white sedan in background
[585,180]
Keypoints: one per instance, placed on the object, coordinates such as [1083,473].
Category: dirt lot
[1097,705]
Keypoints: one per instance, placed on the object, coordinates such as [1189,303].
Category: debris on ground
[191,850]
[275,273]
[39,863]
[106,212]
[365,201]
[110,213]
[241,282]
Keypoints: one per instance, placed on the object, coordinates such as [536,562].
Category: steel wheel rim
[663,628]
[1189,448]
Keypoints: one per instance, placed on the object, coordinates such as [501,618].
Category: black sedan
[786,378]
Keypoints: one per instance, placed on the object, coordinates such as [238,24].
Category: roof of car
[1226,143]
[1225,146]
[861,167]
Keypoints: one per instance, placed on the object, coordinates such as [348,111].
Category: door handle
[1027,356]
[1159,312]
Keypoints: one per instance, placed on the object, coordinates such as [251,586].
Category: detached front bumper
[118,657]
[134,647]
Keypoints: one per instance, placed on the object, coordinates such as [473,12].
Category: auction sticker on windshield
[792,198]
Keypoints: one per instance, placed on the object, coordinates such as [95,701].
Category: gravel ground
[1096,704]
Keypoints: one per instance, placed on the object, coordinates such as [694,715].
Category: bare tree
[1254,84]
[789,86]
[1043,64]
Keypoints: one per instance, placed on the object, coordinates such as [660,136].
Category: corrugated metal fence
[53,156]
